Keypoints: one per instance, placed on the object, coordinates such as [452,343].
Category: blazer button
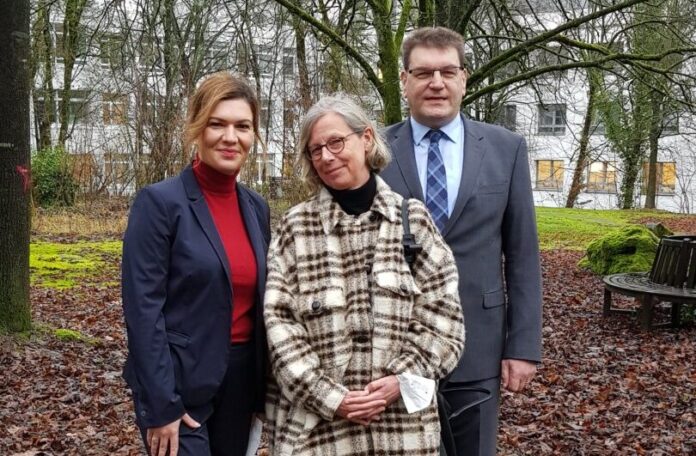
[403,287]
[316,305]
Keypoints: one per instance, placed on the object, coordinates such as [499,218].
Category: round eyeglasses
[333,145]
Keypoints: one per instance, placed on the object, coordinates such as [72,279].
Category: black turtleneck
[358,200]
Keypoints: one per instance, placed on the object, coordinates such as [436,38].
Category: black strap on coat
[411,251]
[411,247]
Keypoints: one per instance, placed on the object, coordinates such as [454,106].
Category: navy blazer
[177,299]
[493,217]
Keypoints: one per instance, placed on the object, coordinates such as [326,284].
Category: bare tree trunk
[15,314]
[72,35]
[43,53]
[576,185]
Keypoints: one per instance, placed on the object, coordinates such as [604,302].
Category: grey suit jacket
[492,233]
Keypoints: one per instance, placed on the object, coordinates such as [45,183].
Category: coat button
[373,217]
[316,305]
[403,287]
[143,413]
[362,339]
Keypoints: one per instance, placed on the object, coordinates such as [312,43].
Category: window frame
[557,126]
[538,183]
[606,185]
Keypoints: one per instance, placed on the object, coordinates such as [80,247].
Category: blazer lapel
[473,156]
[404,156]
[254,232]
[202,213]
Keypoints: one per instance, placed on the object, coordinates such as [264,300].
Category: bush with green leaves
[53,182]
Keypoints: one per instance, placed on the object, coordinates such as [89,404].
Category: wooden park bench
[672,279]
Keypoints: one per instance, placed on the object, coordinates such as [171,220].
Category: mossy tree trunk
[15,192]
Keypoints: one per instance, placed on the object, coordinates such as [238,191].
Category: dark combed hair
[433,37]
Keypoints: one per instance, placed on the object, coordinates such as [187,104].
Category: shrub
[53,182]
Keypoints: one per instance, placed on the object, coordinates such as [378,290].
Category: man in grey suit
[475,180]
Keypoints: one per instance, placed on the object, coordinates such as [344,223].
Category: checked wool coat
[342,308]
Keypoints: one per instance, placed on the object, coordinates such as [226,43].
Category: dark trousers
[475,431]
[226,431]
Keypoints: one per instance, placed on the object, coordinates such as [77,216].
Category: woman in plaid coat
[344,313]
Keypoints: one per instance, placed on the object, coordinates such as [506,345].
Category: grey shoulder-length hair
[341,104]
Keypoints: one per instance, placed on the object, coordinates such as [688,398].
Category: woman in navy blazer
[194,269]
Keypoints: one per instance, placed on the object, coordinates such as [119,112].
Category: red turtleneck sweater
[220,192]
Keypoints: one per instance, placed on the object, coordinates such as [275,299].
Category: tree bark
[72,36]
[653,137]
[576,185]
[15,188]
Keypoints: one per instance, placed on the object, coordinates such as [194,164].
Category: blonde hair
[357,120]
[214,89]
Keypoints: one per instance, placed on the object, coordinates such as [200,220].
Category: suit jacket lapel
[404,155]
[473,156]
[254,232]
[202,213]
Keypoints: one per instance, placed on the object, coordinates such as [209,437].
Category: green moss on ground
[629,249]
[63,266]
[72,335]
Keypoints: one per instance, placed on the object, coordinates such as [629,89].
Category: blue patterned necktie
[436,183]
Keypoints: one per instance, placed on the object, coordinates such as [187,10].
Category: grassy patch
[63,266]
[87,219]
[573,229]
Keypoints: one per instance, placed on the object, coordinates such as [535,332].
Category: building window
[549,175]
[149,56]
[552,119]
[110,51]
[597,127]
[507,117]
[264,113]
[666,174]
[80,47]
[78,105]
[288,61]
[114,108]
[601,177]
[216,56]
[670,124]
[264,58]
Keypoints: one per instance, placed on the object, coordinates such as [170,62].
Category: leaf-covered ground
[605,387]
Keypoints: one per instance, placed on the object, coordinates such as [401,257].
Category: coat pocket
[393,296]
[492,188]
[323,314]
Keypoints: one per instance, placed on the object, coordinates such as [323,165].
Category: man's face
[434,97]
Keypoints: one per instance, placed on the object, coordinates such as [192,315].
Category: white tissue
[416,391]
[254,436]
